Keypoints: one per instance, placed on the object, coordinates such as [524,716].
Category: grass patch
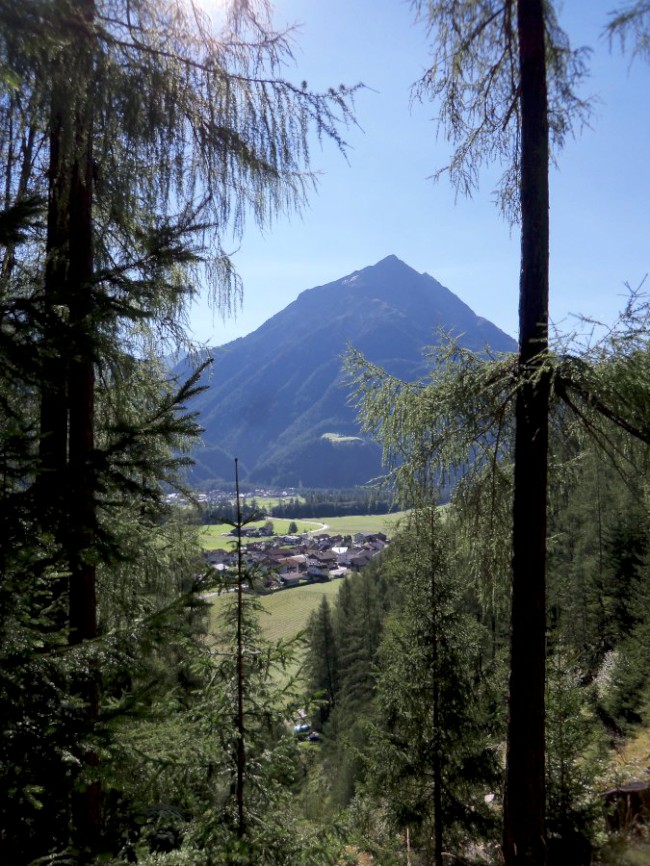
[362,523]
[284,615]
[625,852]
[216,535]
[285,612]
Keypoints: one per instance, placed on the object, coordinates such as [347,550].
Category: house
[297,558]
[323,558]
[339,552]
[288,580]
[628,805]
[360,560]
[318,572]
[217,556]
[365,537]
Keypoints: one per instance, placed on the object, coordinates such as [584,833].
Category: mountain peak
[392,262]
[275,392]
[388,267]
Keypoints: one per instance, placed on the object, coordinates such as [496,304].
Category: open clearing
[363,523]
[285,612]
[216,534]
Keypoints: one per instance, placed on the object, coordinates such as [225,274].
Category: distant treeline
[314,503]
[335,503]
[226,512]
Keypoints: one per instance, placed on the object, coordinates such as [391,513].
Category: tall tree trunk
[241,731]
[53,444]
[524,808]
[435,698]
[81,382]
[67,401]
[81,486]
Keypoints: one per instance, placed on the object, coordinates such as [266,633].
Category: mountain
[275,398]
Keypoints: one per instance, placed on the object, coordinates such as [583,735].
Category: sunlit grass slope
[215,535]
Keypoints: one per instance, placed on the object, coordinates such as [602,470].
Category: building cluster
[292,560]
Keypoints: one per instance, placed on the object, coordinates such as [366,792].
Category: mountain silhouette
[275,398]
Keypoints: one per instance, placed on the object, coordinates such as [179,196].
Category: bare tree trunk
[67,401]
[524,808]
[435,699]
[53,444]
[81,486]
[241,745]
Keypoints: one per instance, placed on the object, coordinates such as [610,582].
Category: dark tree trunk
[81,391]
[435,695]
[437,751]
[524,808]
[54,399]
[81,486]
[67,403]
[241,731]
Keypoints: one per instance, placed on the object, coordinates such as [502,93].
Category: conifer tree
[322,660]
[250,816]
[146,140]
[504,75]
[573,760]
[432,759]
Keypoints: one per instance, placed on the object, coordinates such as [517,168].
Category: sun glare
[219,11]
[212,7]
[216,10]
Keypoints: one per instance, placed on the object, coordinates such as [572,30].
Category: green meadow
[216,534]
[362,523]
[285,612]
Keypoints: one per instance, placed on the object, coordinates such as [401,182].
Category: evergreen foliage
[573,761]
[127,731]
[598,533]
[433,759]
[134,143]
[357,628]
[323,662]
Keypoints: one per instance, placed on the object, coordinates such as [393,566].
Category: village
[292,560]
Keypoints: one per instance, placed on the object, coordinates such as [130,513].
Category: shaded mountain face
[276,400]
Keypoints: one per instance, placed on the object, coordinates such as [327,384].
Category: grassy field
[285,613]
[626,852]
[362,523]
[215,534]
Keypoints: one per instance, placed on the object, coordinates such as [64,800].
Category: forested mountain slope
[275,394]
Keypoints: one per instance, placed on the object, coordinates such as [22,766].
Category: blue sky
[382,200]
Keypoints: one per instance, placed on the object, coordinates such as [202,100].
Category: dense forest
[409,666]
[310,503]
[469,687]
